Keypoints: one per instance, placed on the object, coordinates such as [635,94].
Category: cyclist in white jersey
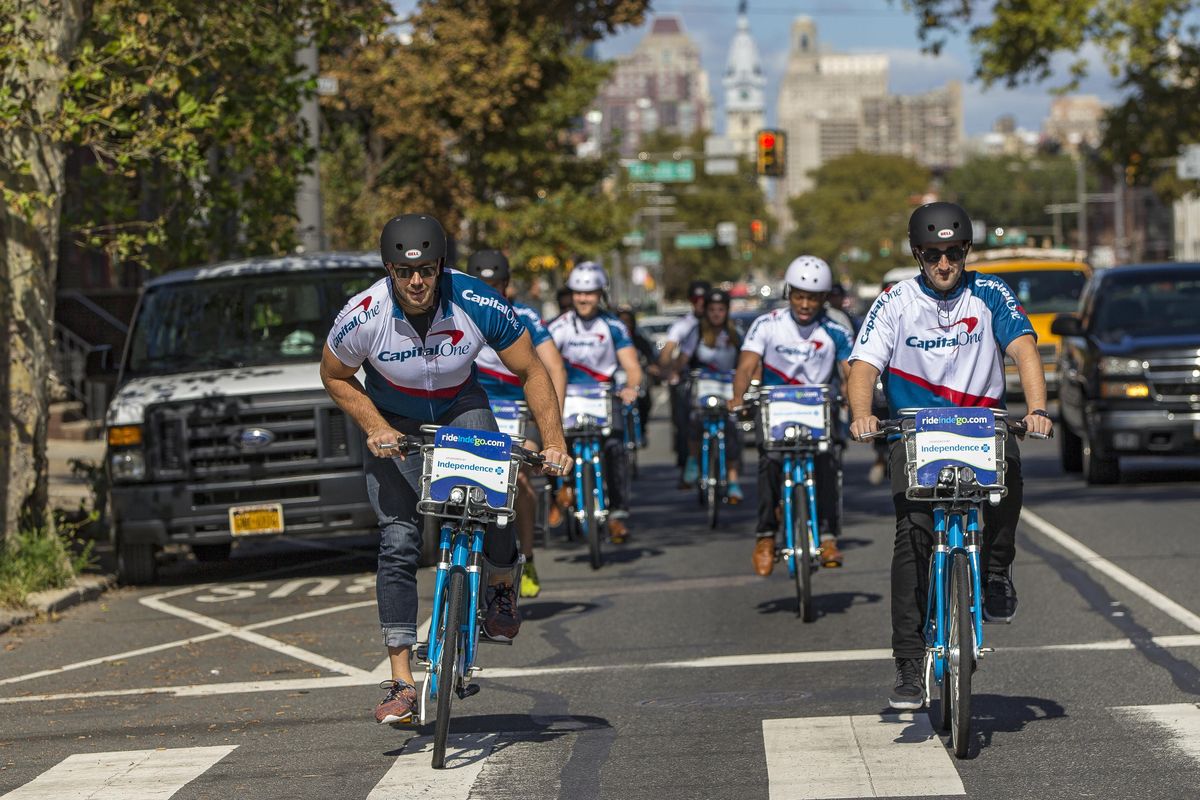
[416,334]
[594,343]
[491,267]
[714,350]
[939,340]
[682,333]
[795,345]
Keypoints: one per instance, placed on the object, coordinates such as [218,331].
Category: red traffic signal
[770,153]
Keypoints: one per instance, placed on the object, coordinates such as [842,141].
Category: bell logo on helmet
[412,253]
[945,233]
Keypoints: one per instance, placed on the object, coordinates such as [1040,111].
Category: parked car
[219,429]
[655,329]
[1130,367]
[1046,284]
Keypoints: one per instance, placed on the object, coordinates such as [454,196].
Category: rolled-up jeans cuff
[402,635]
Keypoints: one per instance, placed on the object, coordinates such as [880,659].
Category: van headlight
[127,465]
[1118,365]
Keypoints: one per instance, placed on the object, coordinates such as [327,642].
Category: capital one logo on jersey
[940,342]
[882,301]
[359,314]
[487,301]
[450,347]
[587,340]
[803,350]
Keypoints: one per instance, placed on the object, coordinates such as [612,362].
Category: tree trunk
[29,253]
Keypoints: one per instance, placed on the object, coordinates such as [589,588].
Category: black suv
[1130,368]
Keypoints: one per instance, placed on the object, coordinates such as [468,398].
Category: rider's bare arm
[551,359]
[747,368]
[860,387]
[523,362]
[346,390]
[1023,350]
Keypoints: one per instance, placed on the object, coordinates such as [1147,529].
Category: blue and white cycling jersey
[589,347]
[794,354]
[498,380]
[936,351]
[424,379]
[684,332]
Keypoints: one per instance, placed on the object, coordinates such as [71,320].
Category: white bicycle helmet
[808,274]
[587,276]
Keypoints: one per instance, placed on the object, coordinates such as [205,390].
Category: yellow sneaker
[530,587]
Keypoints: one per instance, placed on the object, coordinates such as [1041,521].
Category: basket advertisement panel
[509,418]
[589,401]
[712,384]
[955,437]
[796,405]
[464,457]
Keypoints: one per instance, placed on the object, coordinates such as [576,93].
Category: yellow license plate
[254,520]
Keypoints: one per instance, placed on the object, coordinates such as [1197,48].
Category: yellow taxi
[1047,282]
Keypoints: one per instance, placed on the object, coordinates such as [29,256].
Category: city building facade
[744,81]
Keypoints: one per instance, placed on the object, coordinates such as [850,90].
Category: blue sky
[856,26]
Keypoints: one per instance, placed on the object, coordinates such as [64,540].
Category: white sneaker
[875,476]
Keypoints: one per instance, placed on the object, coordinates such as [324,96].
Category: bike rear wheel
[803,555]
[713,489]
[451,636]
[590,523]
[960,662]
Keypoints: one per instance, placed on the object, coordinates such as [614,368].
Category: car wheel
[1070,449]
[136,564]
[1099,467]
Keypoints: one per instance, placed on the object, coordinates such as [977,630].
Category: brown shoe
[764,555]
[618,532]
[502,621]
[564,498]
[398,704]
[830,555]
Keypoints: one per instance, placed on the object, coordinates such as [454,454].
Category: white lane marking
[882,755]
[1181,720]
[1103,565]
[412,775]
[720,662]
[298,653]
[122,775]
[323,586]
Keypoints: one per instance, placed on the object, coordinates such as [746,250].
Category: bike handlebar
[408,447]
[890,427]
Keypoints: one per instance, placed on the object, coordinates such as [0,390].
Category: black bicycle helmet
[698,289]
[934,223]
[716,296]
[488,265]
[413,239]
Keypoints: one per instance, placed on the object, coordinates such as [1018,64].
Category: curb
[85,588]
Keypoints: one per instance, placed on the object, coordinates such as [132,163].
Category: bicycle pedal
[422,653]
[468,690]
[983,650]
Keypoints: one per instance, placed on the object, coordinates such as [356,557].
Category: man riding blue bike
[416,334]
[939,340]
[796,346]
[594,344]
[491,267]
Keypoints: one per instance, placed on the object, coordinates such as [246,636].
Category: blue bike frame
[457,550]
[714,430]
[799,468]
[633,426]
[588,448]
[951,536]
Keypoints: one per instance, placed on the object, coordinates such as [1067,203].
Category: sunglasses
[931,255]
[406,273]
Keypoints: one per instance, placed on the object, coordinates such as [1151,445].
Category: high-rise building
[1074,120]
[927,128]
[744,82]
[660,86]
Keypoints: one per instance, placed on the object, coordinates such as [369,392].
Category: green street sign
[694,241]
[650,257]
[633,239]
[662,171]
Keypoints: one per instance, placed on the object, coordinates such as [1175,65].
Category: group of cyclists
[439,345]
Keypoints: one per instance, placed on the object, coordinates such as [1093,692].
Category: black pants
[770,484]
[914,545]
[680,413]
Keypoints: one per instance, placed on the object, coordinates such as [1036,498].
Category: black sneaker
[999,598]
[909,693]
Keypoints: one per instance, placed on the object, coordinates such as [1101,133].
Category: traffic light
[1131,168]
[758,231]
[771,153]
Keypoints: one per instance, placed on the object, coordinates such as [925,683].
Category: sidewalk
[67,491]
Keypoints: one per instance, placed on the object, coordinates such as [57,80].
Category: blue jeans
[394,489]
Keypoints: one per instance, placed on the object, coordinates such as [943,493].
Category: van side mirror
[1066,325]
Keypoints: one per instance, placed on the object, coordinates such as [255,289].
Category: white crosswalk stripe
[122,775]
[411,776]
[878,755]
[1180,720]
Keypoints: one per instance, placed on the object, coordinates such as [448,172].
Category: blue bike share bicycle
[796,424]
[586,423]
[954,459]
[710,398]
[467,483]
[512,417]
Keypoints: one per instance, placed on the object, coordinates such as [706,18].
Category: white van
[219,428]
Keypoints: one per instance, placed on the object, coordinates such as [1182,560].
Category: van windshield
[1148,304]
[241,322]
[1046,291]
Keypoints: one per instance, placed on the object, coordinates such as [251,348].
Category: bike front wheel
[802,554]
[590,523]
[713,489]
[447,666]
[960,662]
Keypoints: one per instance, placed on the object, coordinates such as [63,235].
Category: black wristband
[1040,412]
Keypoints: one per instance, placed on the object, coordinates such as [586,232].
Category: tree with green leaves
[1152,49]
[856,215]
[1012,191]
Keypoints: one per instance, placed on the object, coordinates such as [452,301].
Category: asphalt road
[671,672]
